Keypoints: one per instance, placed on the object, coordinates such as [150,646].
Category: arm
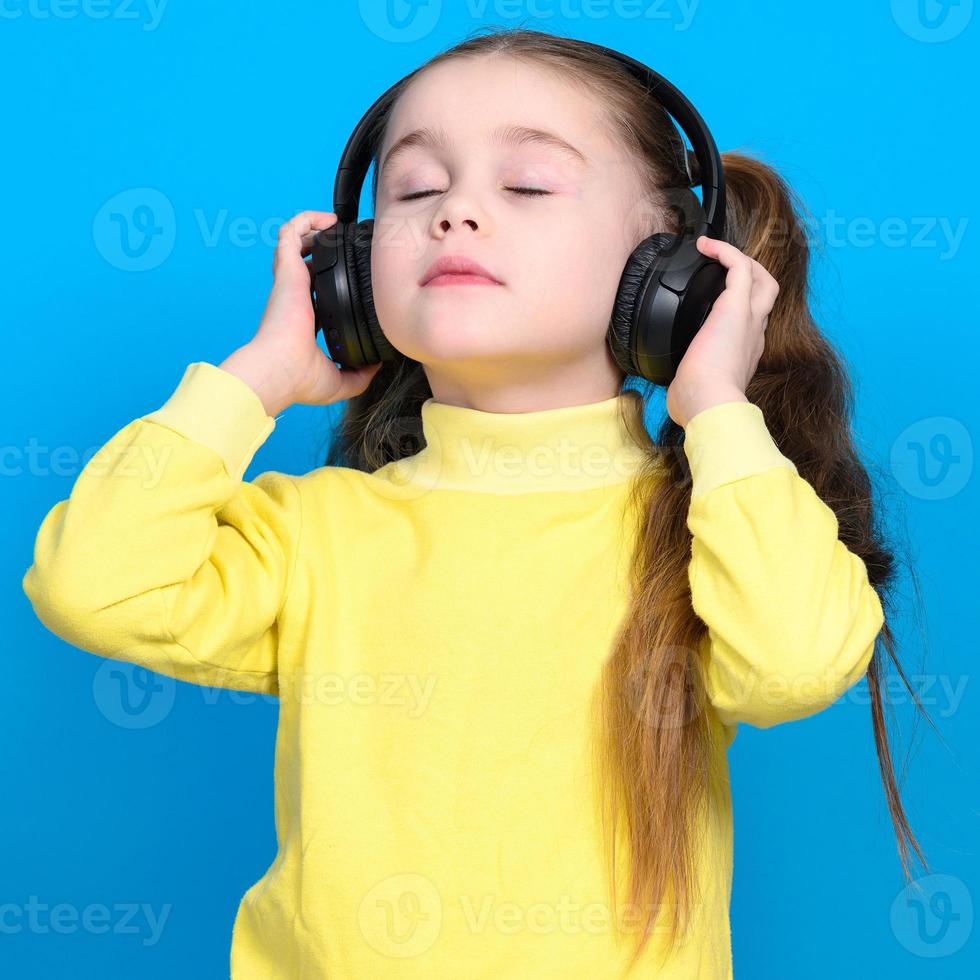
[791,616]
[162,556]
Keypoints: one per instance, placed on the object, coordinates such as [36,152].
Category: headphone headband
[357,155]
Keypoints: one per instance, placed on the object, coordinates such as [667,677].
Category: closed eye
[528,191]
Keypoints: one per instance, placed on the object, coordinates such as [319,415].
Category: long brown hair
[658,775]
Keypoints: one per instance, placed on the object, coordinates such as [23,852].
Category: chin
[460,337]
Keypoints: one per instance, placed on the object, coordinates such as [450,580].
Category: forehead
[469,98]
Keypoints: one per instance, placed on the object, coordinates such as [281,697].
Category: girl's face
[558,255]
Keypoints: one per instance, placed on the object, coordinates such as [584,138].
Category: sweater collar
[575,447]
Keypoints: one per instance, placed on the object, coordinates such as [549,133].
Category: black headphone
[665,292]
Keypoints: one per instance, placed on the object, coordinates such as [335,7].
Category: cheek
[570,297]
[389,279]
[559,253]
[578,265]
[394,259]
[585,273]
[391,233]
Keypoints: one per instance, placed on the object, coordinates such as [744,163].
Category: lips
[458,270]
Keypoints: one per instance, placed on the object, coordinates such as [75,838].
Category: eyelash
[525,191]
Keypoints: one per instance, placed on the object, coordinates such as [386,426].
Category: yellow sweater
[434,631]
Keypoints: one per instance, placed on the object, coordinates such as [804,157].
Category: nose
[445,224]
[460,209]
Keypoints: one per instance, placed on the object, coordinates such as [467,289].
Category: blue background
[239,111]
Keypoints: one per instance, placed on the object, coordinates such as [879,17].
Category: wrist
[262,373]
[708,399]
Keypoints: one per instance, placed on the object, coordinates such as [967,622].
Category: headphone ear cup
[666,293]
[357,245]
[622,333]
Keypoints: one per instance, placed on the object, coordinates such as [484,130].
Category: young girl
[512,635]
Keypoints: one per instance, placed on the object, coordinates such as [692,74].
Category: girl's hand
[720,361]
[283,362]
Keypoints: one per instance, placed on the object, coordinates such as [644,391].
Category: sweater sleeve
[162,555]
[791,616]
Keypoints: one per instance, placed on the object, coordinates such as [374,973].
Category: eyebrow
[501,136]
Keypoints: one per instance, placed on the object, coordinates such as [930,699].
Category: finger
[764,300]
[290,248]
[308,239]
[306,221]
[762,277]
[765,289]
[738,264]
